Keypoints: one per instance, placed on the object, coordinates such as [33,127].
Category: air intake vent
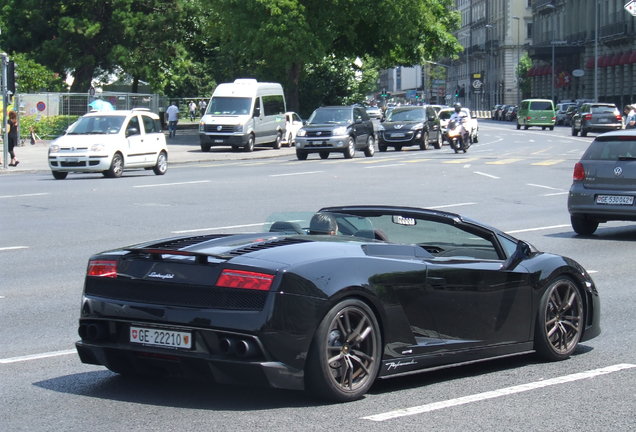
[177,244]
[266,245]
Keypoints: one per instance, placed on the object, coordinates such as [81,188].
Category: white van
[243,114]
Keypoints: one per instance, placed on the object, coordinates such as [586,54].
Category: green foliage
[47,127]
[32,77]
[525,63]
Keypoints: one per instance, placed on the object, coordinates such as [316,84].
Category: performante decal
[395,365]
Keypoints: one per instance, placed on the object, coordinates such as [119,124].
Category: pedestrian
[172,114]
[202,106]
[193,110]
[630,116]
[13,137]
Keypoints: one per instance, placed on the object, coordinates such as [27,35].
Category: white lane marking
[296,173]
[486,175]
[478,397]
[217,228]
[36,356]
[537,229]
[544,187]
[453,205]
[24,195]
[172,184]
[385,166]
[8,248]
[557,193]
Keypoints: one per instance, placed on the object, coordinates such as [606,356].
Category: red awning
[530,72]
[624,58]
[602,61]
[614,59]
[632,57]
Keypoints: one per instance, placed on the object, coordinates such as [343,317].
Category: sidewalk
[181,149]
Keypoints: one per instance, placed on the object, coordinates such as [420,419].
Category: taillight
[579,172]
[619,118]
[245,280]
[587,116]
[100,268]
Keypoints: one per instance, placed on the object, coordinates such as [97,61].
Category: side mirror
[257,112]
[132,131]
[358,121]
[522,252]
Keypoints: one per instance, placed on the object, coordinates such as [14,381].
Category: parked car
[494,111]
[604,182]
[339,129]
[499,114]
[561,111]
[596,117]
[472,126]
[110,142]
[408,126]
[293,122]
[390,291]
[536,112]
[569,113]
[511,113]
[374,112]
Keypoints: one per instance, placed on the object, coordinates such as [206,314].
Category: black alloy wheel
[424,143]
[301,155]
[278,140]
[345,355]
[583,225]
[560,320]
[438,142]
[369,150]
[59,175]
[350,151]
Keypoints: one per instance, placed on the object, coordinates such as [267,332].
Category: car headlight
[342,130]
[54,148]
[417,126]
[238,128]
[97,148]
[380,127]
[301,132]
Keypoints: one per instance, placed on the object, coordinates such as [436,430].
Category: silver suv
[604,182]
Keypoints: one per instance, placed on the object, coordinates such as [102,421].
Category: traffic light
[11,77]
[457,91]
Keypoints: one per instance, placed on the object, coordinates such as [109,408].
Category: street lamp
[518,56]
[596,12]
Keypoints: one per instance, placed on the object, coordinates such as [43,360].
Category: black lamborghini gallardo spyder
[332,302]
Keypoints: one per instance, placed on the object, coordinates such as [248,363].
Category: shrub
[47,127]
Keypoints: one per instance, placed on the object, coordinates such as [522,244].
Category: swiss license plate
[603,120]
[218,141]
[615,199]
[160,337]
[397,135]
[71,160]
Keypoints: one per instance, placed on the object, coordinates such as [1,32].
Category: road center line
[537,229]
[296,173]
[36,356]
[8,248]
[24,195]
[172,184]
[497,393]
[486,175]
[544,187]
[217,228]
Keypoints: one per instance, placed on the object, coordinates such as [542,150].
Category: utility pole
[5,102]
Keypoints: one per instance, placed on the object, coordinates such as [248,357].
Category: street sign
[630,7]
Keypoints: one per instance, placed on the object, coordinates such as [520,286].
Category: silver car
[604,182]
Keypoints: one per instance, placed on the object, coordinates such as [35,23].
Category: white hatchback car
[293,122]
[109,142]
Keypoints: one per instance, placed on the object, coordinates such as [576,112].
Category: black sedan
[332,303]
[409,126]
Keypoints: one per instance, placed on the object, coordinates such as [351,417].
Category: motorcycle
[458,136]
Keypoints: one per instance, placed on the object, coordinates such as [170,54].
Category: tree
[33,77]
[525,63]
[275,39]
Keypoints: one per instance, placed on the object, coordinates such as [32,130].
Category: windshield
[604,109]
[407,115]
[96,125]
[611,150]
[331,116]
[446,114]
[230,106]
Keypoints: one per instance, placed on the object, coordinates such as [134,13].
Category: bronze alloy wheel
[345,356]
[561,320]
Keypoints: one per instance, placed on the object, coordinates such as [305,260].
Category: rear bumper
[582,201]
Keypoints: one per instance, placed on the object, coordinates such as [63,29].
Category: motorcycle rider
[459,117]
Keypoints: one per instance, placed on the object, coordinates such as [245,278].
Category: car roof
[618,133]
[121,112]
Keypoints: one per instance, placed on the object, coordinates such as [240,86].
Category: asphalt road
[515,180]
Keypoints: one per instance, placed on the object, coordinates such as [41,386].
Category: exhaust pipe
[245,348]
[227,346]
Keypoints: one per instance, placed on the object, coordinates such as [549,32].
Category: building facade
[583,49]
